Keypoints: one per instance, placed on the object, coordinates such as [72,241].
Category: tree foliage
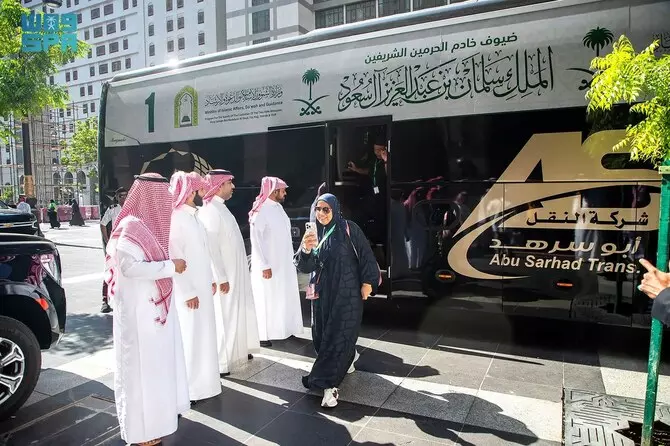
[82,150]
[24,83]
[641,79]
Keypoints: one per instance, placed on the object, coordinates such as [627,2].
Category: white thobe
[277,299]
[235,312]
[188,241]
[150,386]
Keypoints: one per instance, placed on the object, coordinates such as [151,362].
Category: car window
[3,205]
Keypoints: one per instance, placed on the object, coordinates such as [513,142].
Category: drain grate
[660,436]
[596,419]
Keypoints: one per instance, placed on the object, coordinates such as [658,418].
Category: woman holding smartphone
[344,273]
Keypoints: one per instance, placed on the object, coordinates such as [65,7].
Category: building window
[125,44]
[95,13]
[391,7]
[82,93]
[116,66]
[114,47]
[111,28]
[100,51]
[201,38]
[259,2]
[152,50]
[67,76]
[168,5]
[257,41]
[90,87]
[71,126]
[180,22]
[170,46]
[181,43]
[151,30]
[123,24]
[170,25]
[75,75]
[90,53]
[87,35]
[103,69]
[92,107]
[51,80]
[79,19]
[361,11]
[69,112]
[76,2]
[329,17]
[109,9]
[201,16]
[128,63]
[69,3]
[91,70]
[200,1]
[150,10]
[180,3]
[423,4]
[126,4]
[134,3]
[260,21]
[85,107]
[97,31]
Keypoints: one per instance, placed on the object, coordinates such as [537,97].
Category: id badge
[375,190]
[310,293]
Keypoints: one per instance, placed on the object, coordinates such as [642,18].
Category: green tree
[310,78]
[640,79]
[24,85]
[597,39]
[82,149]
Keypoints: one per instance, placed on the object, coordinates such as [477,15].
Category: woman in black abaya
[344,273]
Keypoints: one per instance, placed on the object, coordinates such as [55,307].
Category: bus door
[358,174]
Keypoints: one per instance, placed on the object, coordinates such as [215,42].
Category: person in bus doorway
[107,224]
[344,273]
[274,279]
[235,312]
[150,386]
[194,289]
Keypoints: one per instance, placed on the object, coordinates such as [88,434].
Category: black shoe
[250,356]
[223,375]
[105,307]
[266,344]
[193,403]
[305,382]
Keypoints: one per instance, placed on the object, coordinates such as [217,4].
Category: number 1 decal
[151,102]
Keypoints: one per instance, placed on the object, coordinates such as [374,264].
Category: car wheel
[20,363]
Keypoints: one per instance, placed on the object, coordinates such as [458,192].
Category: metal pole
[656,325]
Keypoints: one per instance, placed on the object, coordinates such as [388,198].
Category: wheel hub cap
[12,368]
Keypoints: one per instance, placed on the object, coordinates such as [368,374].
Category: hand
[653,281]
[351,166]
[366,290]
[193,304]
[213,289]
[224,288]
[179,265]
[385,155]
[267,274]
[309,241]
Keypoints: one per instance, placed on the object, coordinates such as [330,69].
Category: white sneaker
[352,369]
[330,397]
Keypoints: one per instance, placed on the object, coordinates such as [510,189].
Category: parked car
[32,313]
[14,221]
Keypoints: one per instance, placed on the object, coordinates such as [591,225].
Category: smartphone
[310,226]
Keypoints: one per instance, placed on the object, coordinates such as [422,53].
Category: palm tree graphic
[310,78]
[597,39]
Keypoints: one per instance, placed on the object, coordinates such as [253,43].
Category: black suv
[17,222]
[32,313]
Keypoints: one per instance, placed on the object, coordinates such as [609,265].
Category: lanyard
[330,231]
[374,174]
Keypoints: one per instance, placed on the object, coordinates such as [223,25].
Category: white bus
[497,194]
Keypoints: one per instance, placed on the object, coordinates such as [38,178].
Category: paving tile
[423,428]
[249,368]
[34,398]
[345,411]
[633,384]
[375,437]
[431,400]
[49,426]
[410,338]
[91,428]
[54,381]
[309,430]
[583,377]
[531,352]
[454,367]
[368,388]
[283,376]
[519,388]
[197,433]
[274,395]
[519,415]
[527,369]
[392,359]
[235,414]
[475,436]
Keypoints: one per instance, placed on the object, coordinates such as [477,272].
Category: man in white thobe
[235,312]
[150,387]
[194,289]
[274,279]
